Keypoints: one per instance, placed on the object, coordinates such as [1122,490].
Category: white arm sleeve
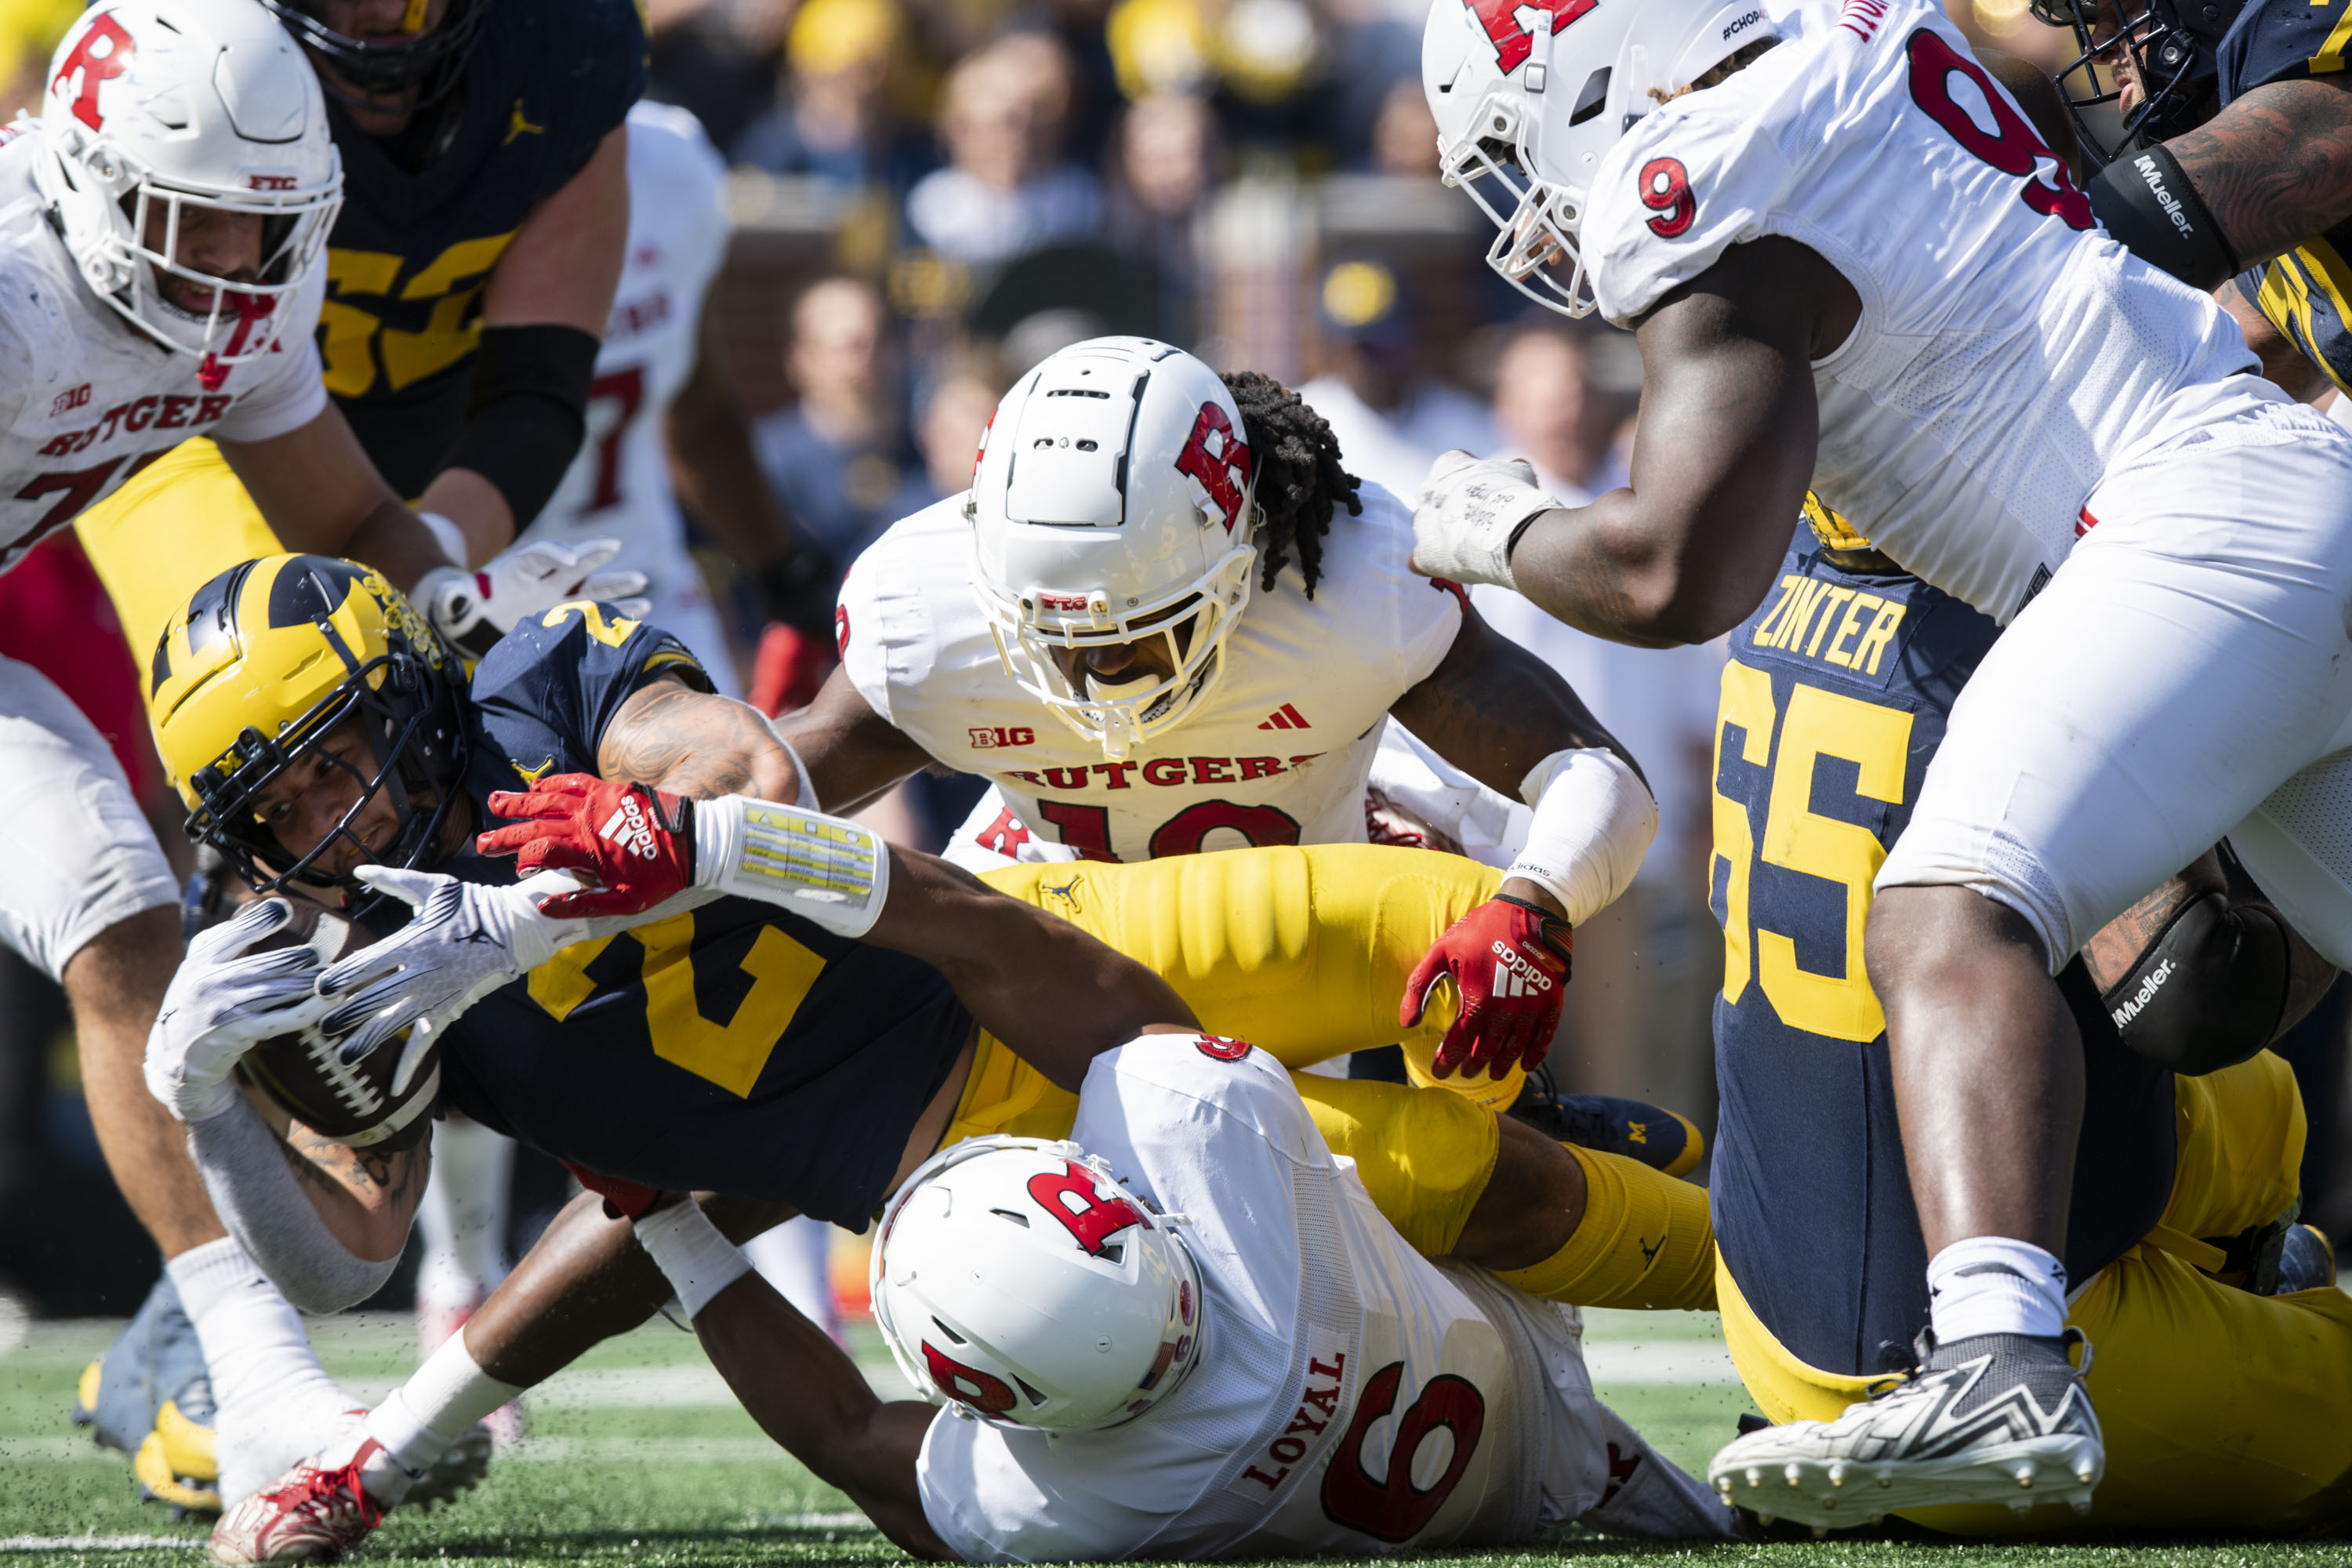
[244,1171]
[1594,820]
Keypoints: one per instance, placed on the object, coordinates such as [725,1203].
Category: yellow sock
[1644,1241]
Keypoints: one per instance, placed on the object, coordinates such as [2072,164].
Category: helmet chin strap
[1118,723]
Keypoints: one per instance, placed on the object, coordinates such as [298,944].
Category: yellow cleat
[187,1445]
[157,1479]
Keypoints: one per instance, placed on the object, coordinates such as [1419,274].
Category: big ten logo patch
[995,737]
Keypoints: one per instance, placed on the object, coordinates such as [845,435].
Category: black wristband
[529,410]
[2146,202]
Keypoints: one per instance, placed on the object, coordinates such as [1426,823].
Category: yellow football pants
[176,526]
[1303,952]
[2221,1410]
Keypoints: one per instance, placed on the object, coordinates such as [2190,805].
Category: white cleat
[1984,1421]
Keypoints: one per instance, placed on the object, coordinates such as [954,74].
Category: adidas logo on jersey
[1286,717]
[1515,975]
[628,828]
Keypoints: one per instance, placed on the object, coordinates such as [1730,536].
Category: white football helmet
[1113,501]
[1523,117]
[156,107]
[1016,1282]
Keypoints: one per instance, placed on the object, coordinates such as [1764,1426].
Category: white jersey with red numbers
[2012,367]
[1277,752]
[619,486]
[1350,1396]
[86,399]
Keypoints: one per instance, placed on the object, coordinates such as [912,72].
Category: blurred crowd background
[929,196]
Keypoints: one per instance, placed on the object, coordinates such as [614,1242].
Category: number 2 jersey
[1833,705]
[2011,365]
[1350,1396]
[731,1045]
[86,399]
[1277,753]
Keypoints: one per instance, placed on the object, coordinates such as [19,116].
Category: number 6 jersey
[1350,1396]
[1277,753]
[2012,364]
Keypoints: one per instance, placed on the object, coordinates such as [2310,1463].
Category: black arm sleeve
[529,410]
[2208,992]
[2145,202]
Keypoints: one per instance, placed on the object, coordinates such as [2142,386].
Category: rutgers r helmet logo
[1091,1218]
[1513,43]
[1223,471]
[103,54]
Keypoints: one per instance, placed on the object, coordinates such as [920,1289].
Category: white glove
[221,1003]
[1470,514]
[474,609]
[465,942]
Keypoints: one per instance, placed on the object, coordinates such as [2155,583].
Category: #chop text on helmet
[261,667]
[155,108]
[1112,502]
[1015,1280]
[1523,116]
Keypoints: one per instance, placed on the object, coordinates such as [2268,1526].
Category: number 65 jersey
[1350,1396]
[2011,365]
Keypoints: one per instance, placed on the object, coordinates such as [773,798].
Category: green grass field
[638,1455]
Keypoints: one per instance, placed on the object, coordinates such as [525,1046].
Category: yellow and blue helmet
[268,659]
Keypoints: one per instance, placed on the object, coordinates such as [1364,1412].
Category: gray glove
[221,1003]
[1470,514]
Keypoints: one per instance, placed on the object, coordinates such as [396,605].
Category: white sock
[1992,1285]
[276,1402]
[255,1348]
[793,1257]
[418,1421]
[462,1217]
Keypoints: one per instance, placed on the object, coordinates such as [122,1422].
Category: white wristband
[693,1257]
[1594,820]
[824,868]
[447,534]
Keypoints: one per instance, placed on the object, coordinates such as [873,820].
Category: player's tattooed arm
[2274,168]
[366,1197]
[1729,424]
[1494,710]
[671,737]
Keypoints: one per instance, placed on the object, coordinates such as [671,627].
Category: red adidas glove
[622,1200]
[1508,960]
[637,843]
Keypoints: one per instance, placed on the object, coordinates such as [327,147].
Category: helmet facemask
[2171,60]
[418,70]
[1534,249]
[1194,623]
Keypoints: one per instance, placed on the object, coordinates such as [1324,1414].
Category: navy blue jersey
[736,1047]
[1833,703]
[411,252]
[2306,293]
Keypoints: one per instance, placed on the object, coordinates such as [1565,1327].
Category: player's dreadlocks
[1298,474]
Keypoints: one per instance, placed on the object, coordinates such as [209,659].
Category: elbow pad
[1594,820]
[2146,203]
[2209,992]
[528,411]
[826,870]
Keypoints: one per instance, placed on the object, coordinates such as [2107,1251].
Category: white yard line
[105,1542]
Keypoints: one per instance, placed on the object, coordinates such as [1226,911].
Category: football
[350,1103]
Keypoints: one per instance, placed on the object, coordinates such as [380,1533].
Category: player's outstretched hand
[1508,960]
[1470,514]
[223,1000]
[463,942]
[474,609]
[637,843]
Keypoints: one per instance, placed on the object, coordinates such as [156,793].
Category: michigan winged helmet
[261,666]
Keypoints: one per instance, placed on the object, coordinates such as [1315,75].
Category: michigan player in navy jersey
[2234,159]
[2183,1190]
[470,275]
[838,1059]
